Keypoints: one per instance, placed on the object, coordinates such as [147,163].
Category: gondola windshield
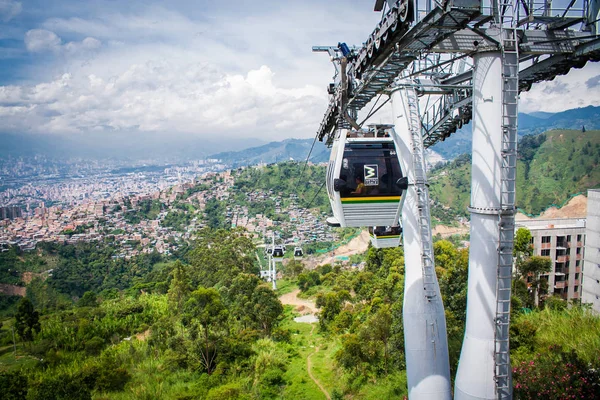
[369,170]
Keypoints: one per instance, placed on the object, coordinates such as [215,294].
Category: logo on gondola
[371,175]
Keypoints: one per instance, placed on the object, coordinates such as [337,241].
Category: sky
[202,69]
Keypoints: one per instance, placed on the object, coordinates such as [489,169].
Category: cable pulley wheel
[403,11]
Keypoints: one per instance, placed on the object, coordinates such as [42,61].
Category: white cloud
[165,97]
[87,44]
[202,72]
[9,9]
[39,40]
[563,93]
[42,40]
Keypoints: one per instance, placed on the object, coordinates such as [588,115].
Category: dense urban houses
[563,241]
[591,266]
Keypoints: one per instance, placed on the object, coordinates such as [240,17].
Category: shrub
[60,387]
[94,346]
[231,391]
[13,385]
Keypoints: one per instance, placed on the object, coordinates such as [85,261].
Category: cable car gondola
[298,254]
[365,183]
[278,253]
[268,251]
[385,236]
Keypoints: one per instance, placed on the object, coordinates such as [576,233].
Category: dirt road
[302,306]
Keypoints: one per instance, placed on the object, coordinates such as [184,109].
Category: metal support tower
[513,44]
[495,98]
[424,218]
[272,264]
[506,224]
[426,343]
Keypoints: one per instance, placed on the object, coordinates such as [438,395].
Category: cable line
[318,191]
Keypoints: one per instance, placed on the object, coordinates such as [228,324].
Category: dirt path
[309,367]
[301,304]
[13,290]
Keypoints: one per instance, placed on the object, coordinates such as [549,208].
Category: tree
[533,267]
[294,268]
[179,288]
[331,305]
[27,320]
[220,256]
[13,385]
[267,308]
[306,280]
[88,300]
[523,244]
[351,356]
[453,285]
[445,254]
[205,307]
[241,299]
[379,328]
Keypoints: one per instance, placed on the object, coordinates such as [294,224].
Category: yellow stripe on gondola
[386,237]
[371,199]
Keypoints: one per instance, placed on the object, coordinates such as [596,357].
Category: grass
[556,328]
[285,286]
[391,387]
[300,385]
[323,362]
[8,360]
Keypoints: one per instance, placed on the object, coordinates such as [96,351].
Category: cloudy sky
[202,68]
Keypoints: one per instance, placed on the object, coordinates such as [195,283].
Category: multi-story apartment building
[10,212]
[591,270]
[563,241]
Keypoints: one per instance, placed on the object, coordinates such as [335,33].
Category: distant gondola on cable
[268,251]
[278,253]
[365,183]
[298,254]
[383,237]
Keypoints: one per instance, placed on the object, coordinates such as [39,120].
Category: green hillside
[450,189]
[566,162]
[551,167]
[288,178]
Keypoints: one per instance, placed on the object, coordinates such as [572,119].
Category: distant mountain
[289,149]
[541,114]
[551,167]
[120,145]
[529,124]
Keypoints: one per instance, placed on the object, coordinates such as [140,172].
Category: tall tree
[205,310]
[179,288]
[523,242]
[267,308]
[240,296]
[27,320]
[379,328]
[533,267]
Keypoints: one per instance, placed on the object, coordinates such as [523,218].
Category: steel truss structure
[458,56]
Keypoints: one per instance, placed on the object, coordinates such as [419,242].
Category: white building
[563,241]
[591,270]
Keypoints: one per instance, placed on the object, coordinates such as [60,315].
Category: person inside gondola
[360,186]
